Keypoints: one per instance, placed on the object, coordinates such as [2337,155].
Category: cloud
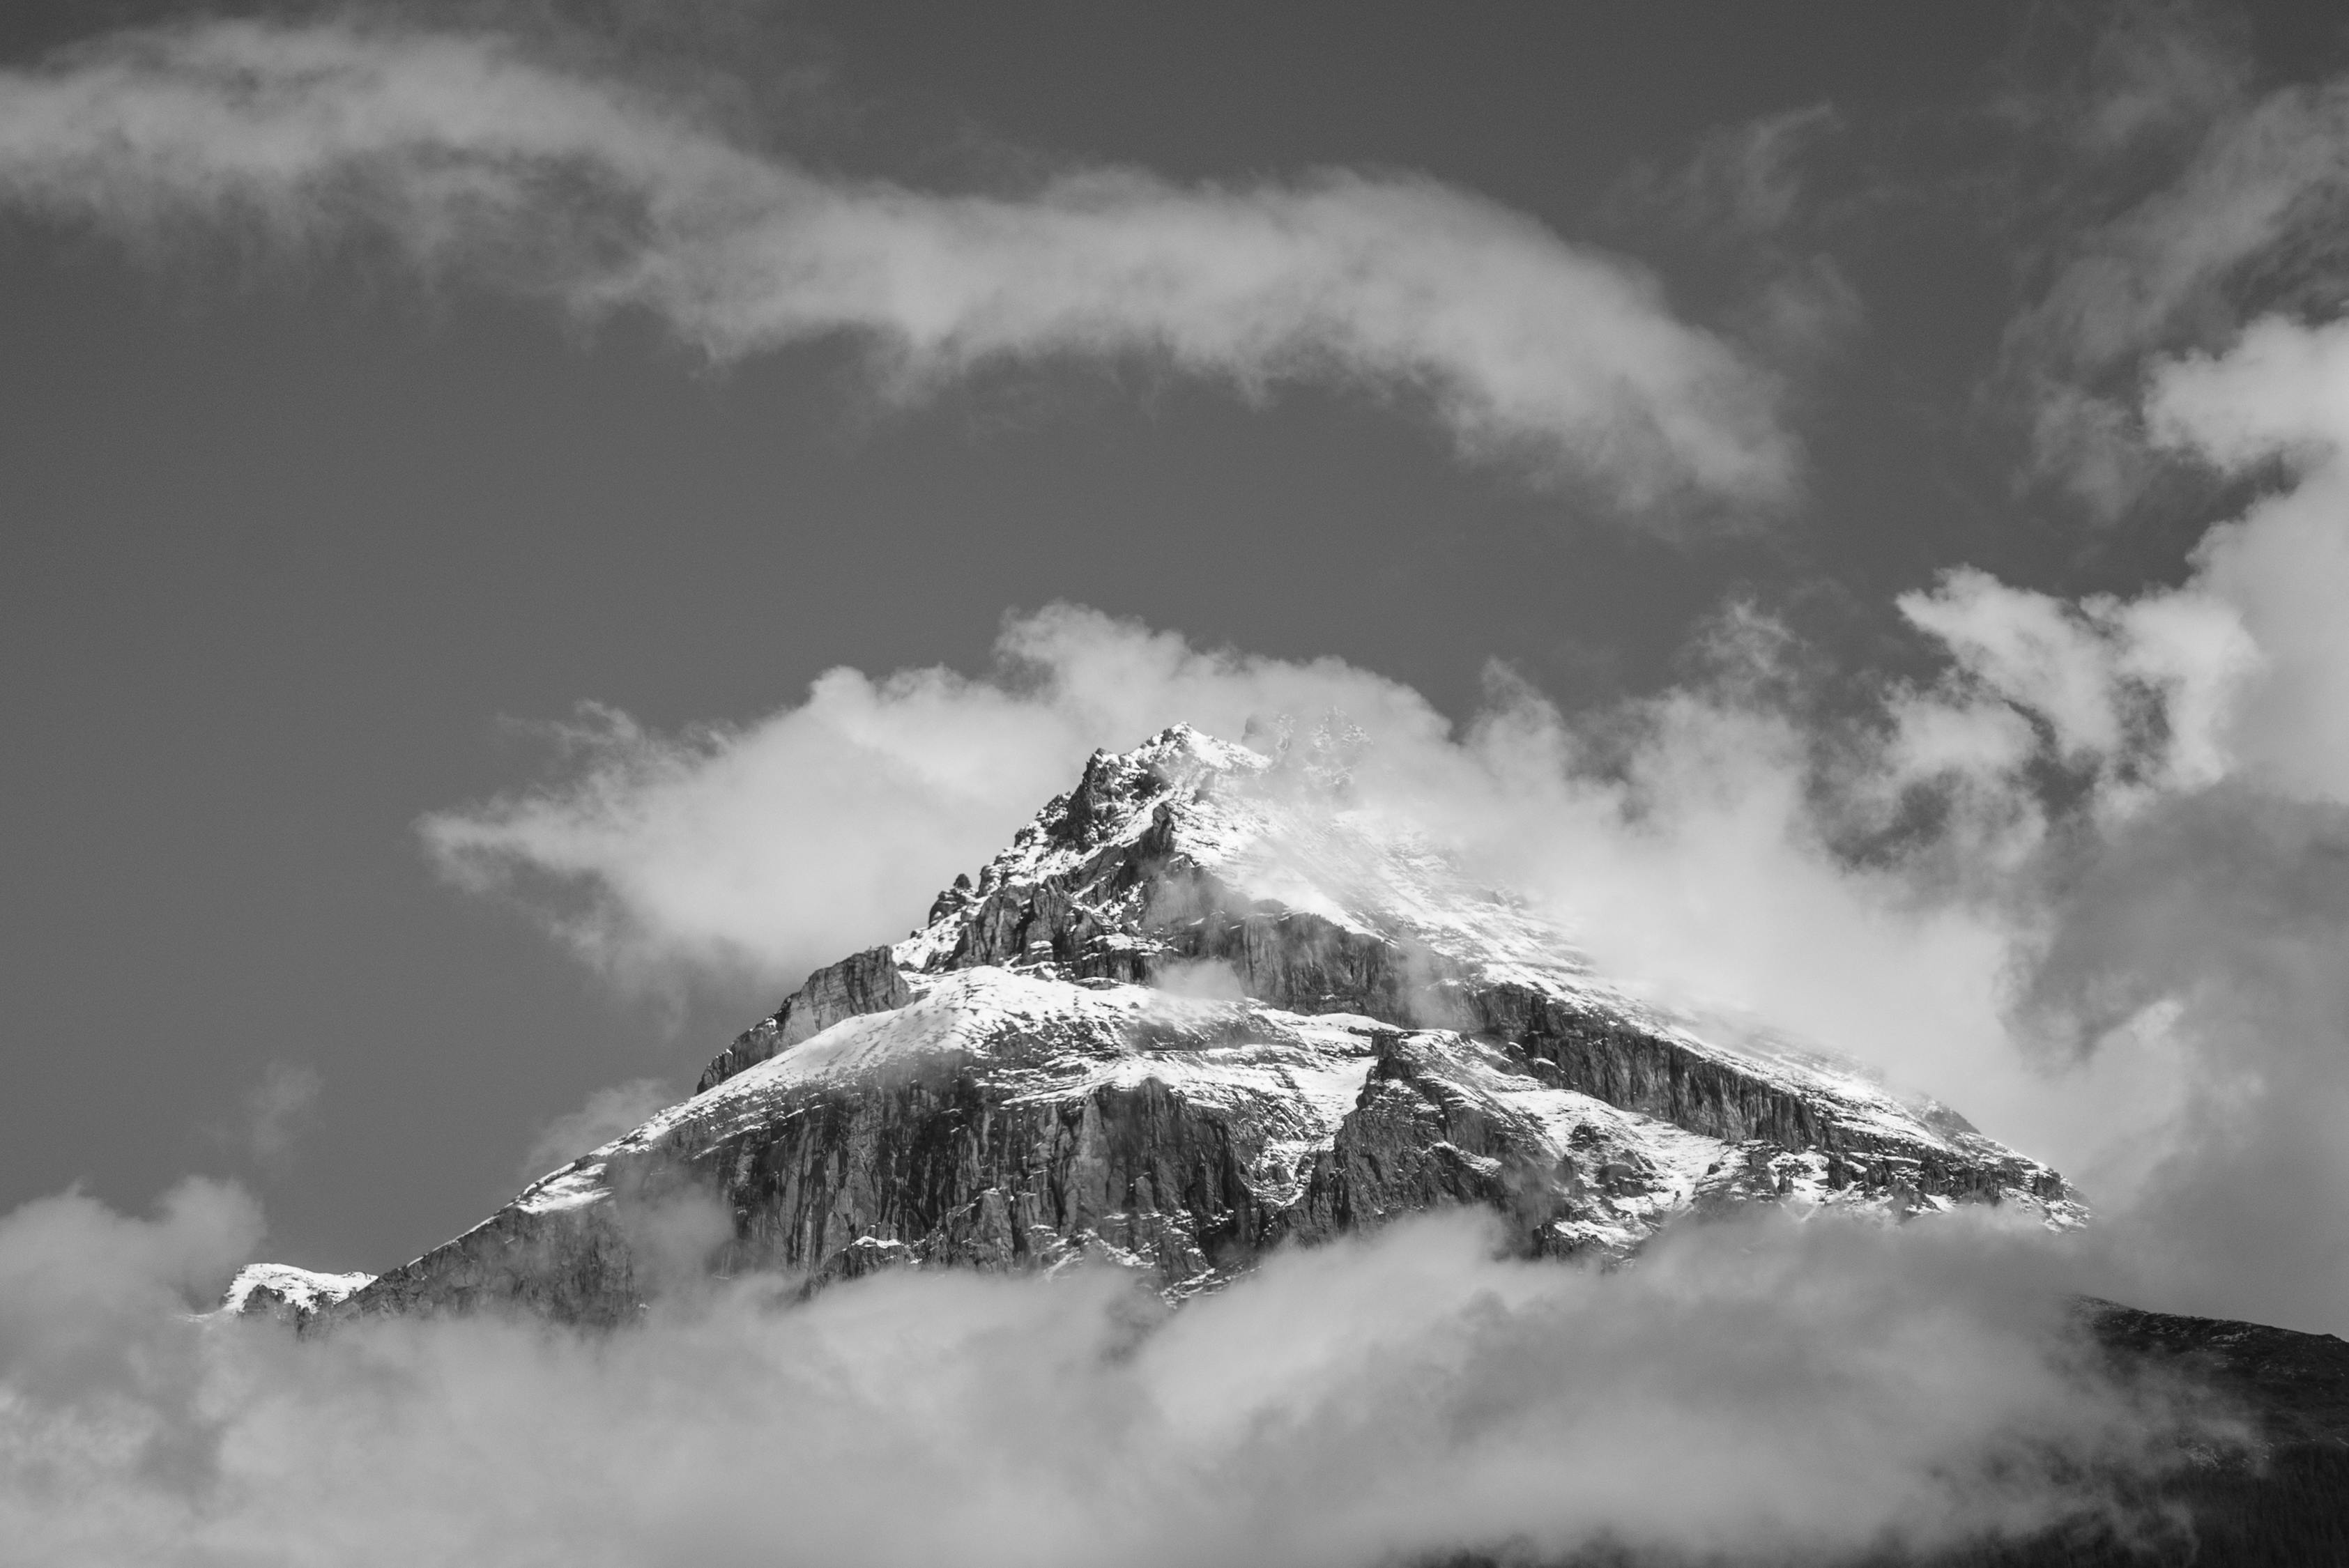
[2193,915]
[83,1290]
[607,1113]
[770,847]
[2137,692]
[2223,912]
[2156,73]
[2266,188]
[1207,980]
[1749,196]
[476,158]
[1747,179]
[271,1116]
[2186,203]
[2280,391]
[276,1107]
[1754,1389]
[2220,918]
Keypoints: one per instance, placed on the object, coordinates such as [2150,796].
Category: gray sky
[294,528]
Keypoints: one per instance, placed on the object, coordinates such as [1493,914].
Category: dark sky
[285,544]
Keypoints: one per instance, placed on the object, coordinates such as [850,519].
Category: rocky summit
[1205,1004]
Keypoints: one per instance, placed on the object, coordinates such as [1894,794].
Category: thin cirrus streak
[475,159]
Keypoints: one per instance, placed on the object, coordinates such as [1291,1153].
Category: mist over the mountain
[2004,754]
[1903,886]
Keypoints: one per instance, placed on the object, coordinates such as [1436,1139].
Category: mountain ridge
[1205,1004]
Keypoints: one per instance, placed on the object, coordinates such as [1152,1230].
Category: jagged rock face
[1199,1008]
[867,982]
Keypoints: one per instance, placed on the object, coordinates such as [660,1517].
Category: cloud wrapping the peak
[769,848]
[606,1114]
[478,158]
[1910,892]
[1686,856]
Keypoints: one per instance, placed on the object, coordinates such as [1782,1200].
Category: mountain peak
[1150,841]
[1208,1001]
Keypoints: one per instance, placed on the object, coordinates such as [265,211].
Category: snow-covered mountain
[1202,1005]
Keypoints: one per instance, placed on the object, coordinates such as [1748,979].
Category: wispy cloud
[473,157]
[2266,187]
[274,1110]
[1744,181]
[271,1116]
[2180,202]
[606,1113]
[1751,196]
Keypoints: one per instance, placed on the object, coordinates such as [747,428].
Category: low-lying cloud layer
[1763,1390]
[474,157]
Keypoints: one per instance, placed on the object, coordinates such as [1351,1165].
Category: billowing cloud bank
[475,157]
[1760,1390]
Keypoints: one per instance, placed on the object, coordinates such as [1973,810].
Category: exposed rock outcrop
[866,982]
